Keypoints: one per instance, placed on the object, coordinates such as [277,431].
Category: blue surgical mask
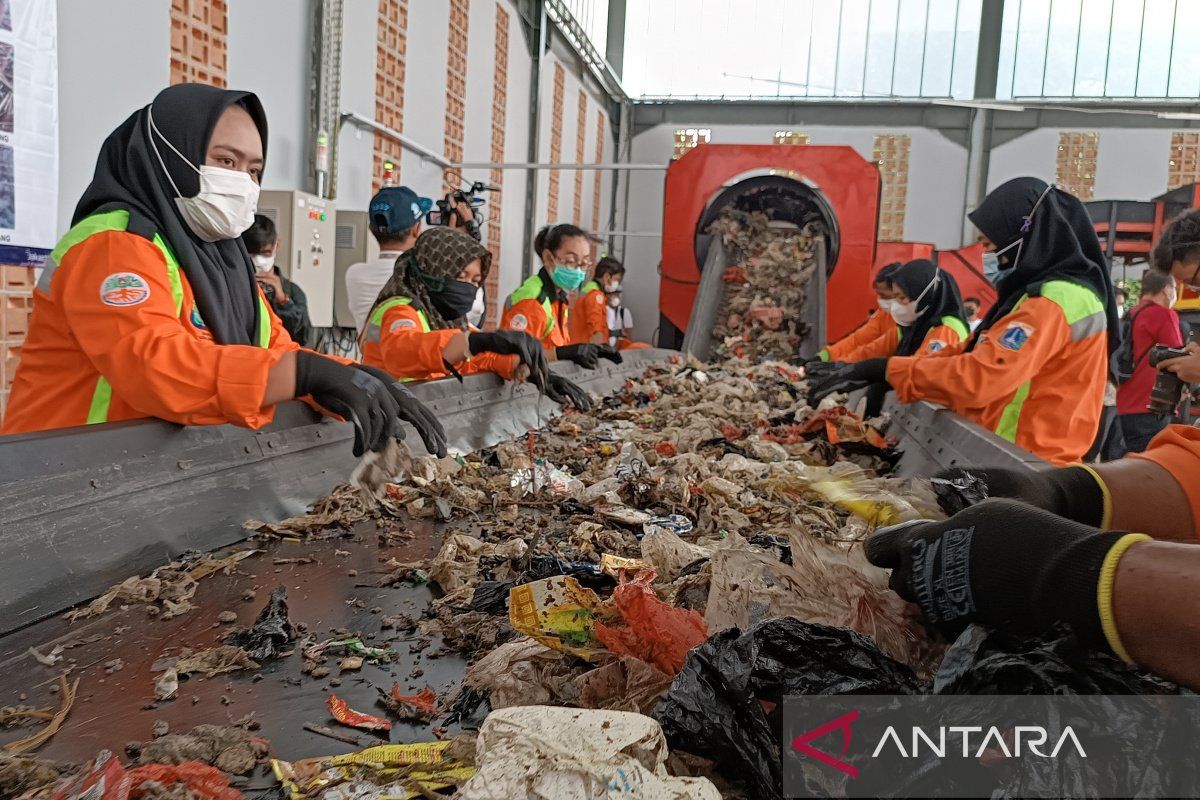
[992,270]
[568,278]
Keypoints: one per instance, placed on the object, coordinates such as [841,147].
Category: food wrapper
[543,475]
[385,772]
[557,612]
[355,719]
[352,645]
[612,565]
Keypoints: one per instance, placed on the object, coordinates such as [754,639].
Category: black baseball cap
[395,209]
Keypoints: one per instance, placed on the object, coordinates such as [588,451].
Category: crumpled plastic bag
[457,563]
[270,634]
[658,633]
[627,684]
[545,753]
[823,584]
[713,708]
[524,672]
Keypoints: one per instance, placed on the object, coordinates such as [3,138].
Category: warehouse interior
[597,398]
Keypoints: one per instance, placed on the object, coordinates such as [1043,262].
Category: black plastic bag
[713,707]
[547,566]
[271,633]
[491,597]
[960,492]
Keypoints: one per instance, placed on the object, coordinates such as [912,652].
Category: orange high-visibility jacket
[115,334]
[397,338]
[878,324]
[536,309]
[1177,450]
[589,315]
[952,331]
[1036,377]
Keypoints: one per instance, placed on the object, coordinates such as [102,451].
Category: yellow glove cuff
[1104,589]
[1106,514]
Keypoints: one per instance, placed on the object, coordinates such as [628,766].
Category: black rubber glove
[585,355]
[1001,563]
[519,343]
[563,392]
[357,396]
[412,411]
[611,353]
[818,370]
[846,378]
[1072,492]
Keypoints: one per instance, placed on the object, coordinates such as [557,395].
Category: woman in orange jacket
[589,312]
[928,313]
[417,328]
[148,306]
[878,324]
[540,304]
[1034,372]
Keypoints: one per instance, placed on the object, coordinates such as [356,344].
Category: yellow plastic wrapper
[557,612]
[612,565]
[385,772]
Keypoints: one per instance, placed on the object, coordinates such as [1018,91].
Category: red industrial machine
[832,185]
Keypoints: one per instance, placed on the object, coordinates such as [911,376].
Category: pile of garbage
[771,264]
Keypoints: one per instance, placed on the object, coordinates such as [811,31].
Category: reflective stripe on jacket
[589,315]
[397,338]
[1036,377]
[949,333]
[536,310]
[115,334]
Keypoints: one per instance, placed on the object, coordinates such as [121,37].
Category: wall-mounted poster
[28,130]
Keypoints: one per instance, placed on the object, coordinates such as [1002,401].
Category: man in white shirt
[394,216]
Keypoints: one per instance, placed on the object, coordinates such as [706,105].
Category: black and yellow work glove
[354,395]
[564,392]
[585,355]
[1007,565]
[611,353]
[412,411]
[1076,492]
[835,377]
[528,350]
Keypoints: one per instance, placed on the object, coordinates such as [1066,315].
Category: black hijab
[1057,242]
[129,176]
[941,300]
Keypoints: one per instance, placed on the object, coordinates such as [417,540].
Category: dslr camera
[1168,388]
[445,209]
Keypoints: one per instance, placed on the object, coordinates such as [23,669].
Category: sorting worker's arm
[589,318]
[881,346]
[877,325]
[1024,570]
[528,315]
[141,348]
[410,352]
[1155,492]
[1012,353]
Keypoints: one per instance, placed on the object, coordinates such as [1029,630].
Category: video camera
[445,209]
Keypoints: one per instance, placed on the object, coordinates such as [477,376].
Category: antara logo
[1013,742]
[1029,737]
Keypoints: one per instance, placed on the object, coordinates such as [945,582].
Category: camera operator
[1152,322]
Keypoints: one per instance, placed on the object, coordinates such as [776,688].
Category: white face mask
[614,301]
[1172,297]
[225,205]
[263,262]
[907,313]
[475,315]
[612,286]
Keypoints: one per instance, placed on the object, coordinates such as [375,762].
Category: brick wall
[456,86]
[495,202]
[580,155]
[16,302]
[1183,166]
[891,156]
[390,47]
[596,173]
[198,41]
[1076,162]
[556,131]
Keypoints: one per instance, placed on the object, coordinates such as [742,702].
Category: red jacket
[1152,324]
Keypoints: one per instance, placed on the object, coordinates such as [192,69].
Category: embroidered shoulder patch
[1015,335]
[935,345]
[197,320]
[401,324]
[124,289]
[518,322]
[599,298]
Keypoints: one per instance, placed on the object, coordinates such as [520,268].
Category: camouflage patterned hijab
[438,256]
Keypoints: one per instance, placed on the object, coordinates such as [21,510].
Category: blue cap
[395,209]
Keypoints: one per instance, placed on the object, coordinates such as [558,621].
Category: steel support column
[979,140]
[614,49]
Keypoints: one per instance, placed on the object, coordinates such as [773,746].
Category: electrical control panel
[307,229]
[354,244]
